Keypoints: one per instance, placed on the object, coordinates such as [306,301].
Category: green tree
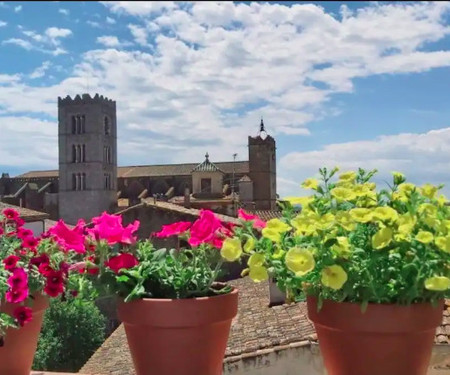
[71,332]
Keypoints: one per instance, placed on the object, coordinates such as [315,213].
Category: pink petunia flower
[257,222]
[109,227]
[173,229]
[23,315]
[69,239]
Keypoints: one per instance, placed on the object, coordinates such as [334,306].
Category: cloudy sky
[358,84]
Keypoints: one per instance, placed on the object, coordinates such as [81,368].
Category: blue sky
[353,84]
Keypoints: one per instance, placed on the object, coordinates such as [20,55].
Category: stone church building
[89,181]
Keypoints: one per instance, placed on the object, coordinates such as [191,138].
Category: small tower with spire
[207,180]
[262,168]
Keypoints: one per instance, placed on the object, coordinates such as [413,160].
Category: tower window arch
[83,153]
[106,126]
[74,154]
[74,125]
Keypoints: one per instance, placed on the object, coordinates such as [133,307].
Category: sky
[352,84]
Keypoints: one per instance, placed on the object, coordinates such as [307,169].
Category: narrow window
[78,184]
[106,125]
[83,153]
[74,181]
[205,185]
[106,181]
[74,125]
[74,154]
[78,157]
[83,181]
[83,124]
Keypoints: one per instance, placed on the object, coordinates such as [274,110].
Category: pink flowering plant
[31,266]
[120,264]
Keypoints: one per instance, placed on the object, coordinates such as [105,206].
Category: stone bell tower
[263,172]
[87,137]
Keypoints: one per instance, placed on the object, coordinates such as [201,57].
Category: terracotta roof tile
[266,215]
[25,213]
[154,170]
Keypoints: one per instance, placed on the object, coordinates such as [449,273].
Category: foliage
[30,266]
[135,269]
[353,243]
[71,332]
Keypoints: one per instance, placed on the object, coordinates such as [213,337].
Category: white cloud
[139,33]
[110,20]
[48,42]
[18,8]
[54,33]
[138,8]
[24,136]
[3,23]
[39,72]
[109,41]
[213,69]
[66,12]
[422,157]
[94,24]
[19,42]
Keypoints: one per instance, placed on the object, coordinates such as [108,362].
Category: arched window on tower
[106,126]
[83,124]
[74,181]
[83,181]
[74,125]
[74,154]
[78,156]
[83,153]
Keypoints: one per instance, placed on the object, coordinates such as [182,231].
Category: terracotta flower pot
[19,346]
[385,340]
[182,337]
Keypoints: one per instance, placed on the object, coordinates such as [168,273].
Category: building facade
[89,181]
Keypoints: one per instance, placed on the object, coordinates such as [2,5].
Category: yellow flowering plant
[353,243]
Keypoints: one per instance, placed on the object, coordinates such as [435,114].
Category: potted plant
[32,270]
[176,316]
[373,265]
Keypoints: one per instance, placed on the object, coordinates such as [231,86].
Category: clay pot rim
[314,300]
[180,300]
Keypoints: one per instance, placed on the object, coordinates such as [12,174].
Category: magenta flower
[18,279]
[23,315]
[69,239]
[16,295]
[257,222]
[109,227]
[10,214]
[173,229]
[204,228]
[23,233]
[10,262]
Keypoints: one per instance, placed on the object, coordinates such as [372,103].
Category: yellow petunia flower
[342,194]
[342,247]
[256,260]
[406,188]
[361,215]
[382,238]
[424,237]
[300,261]
[310,183]
[304,201]
[278,253]
[349,176]
[258,274]
[231,249]
[427,209]
[429,190]
[385,214]
[278,225]
[443,243]
[326,221]
[249,245]
[334,277]
[345,220]
[271,234]
[437,283]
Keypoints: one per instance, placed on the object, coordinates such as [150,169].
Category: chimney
[187,197]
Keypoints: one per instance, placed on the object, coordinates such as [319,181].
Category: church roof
[184,169]
[206,166]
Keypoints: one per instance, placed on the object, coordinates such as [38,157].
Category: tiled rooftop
[154,170]
[25,213]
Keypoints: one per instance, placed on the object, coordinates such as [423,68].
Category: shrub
[71,332]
